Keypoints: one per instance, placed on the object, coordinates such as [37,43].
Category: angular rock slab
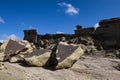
[17,58]
[67,54]
[38,58]
[20,57]
[11,48]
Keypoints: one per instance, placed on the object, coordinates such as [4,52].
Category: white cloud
[58,32]
[31,27]
[96,25]
[2,20]
[12,36]
[70,9]
[1,41]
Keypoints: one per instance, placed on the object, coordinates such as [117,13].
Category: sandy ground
[87,68]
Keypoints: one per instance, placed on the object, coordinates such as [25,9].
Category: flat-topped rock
[109,33]
[84,31]
[110,21]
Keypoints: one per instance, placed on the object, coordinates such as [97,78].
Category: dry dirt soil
[87,68]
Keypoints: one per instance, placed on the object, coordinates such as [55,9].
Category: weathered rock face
[1,59]
[62,55]
[38,57]
[109,33]
[89,46]
[17,58]
[67,55]
[107,36]
[11,48]
[84,31]
[30,35]
[45,41]
[112,26]
[20,56]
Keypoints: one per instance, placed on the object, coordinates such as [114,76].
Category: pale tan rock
[68,54]
[1,60]
[38,57]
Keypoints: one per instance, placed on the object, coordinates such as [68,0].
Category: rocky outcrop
[109,33]
[62,55]
[20,56]
[62,50]
[38,57]
[84,31]
[14,51]
[16,58]
[1,60]
[1,57]
[30,35]
[67,54]
[85,53]
[88,45]
[11,48]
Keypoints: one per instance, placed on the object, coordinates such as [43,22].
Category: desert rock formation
[89,54]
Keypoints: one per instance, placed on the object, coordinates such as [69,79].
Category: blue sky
[51,16]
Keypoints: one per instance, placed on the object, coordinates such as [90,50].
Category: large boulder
[1,60]
[11,48]
[1,55]
[3,46]
[20,57]
[38,58]
[17,58]
[67,54]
